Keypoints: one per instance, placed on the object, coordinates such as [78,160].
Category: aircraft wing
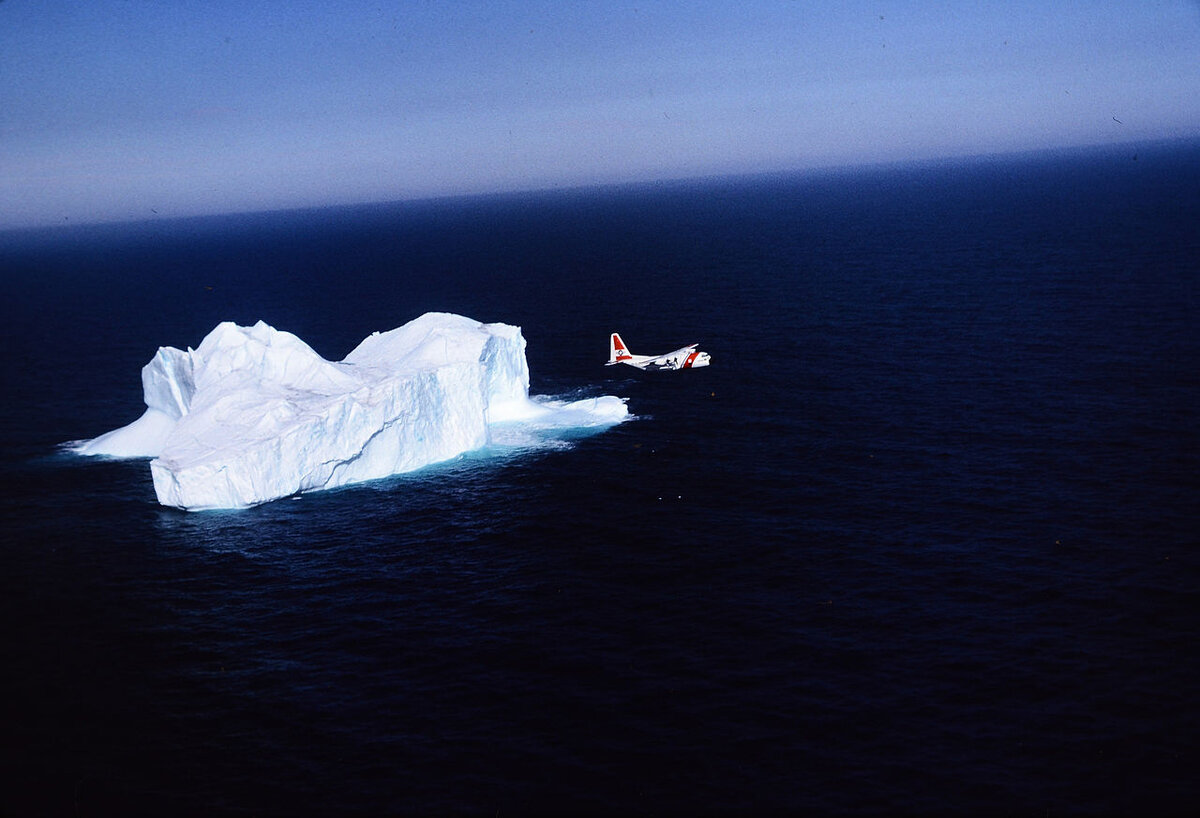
[678,354]
[672,360]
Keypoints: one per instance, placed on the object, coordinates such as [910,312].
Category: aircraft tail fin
[617,351]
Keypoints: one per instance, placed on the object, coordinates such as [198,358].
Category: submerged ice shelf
[254,414]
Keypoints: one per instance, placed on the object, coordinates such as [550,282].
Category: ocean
[923,538]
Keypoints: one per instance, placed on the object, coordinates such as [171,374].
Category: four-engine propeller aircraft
[686,358]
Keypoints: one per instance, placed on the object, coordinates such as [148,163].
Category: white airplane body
[687,357]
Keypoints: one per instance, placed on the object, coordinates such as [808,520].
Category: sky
[139,109]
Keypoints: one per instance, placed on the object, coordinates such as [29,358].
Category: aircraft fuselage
[687,357]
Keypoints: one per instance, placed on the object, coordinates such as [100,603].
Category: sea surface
[923,539]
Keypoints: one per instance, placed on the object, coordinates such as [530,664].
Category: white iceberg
[254,414]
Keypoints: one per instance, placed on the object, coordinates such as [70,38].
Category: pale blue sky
[133,109]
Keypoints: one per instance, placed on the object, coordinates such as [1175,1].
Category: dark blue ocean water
[922,539]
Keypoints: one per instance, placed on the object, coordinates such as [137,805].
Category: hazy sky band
[116,110]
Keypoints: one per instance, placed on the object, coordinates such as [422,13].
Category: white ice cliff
[254,414]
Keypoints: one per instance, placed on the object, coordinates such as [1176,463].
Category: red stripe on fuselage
[688,363]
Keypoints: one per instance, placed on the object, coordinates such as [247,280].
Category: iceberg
[254,414]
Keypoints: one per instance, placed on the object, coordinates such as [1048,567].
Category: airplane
[686,358]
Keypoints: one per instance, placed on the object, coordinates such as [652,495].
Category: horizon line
[832,168]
